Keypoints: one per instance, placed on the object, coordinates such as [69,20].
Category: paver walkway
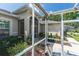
[72,41]
[73,49]
[75,46]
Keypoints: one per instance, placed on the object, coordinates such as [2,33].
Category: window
[4,28]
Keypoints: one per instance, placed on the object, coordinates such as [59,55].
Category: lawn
[75,36]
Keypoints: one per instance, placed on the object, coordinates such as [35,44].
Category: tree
[54,17]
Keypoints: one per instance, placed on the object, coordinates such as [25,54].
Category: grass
[75,36]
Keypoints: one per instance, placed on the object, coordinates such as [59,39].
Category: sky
[48,7]
[11,6]
[51,7]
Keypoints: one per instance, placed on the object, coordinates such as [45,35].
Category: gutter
[8,14]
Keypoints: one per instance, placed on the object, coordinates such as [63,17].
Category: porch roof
[45,8]
[57,8]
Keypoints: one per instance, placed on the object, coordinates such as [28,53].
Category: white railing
[48,50]
[69,21]
[29,48]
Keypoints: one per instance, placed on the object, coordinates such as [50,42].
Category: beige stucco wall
[13,24]
[42,28]
[25,15]
[53,28]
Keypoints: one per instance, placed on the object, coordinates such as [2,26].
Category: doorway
[21,27]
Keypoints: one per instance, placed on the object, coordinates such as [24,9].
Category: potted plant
[41,35]
[50,36]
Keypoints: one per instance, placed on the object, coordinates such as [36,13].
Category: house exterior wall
[42,28]
[53,28]
[25,16]
[13,24]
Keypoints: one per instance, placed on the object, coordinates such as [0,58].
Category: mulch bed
[38,52]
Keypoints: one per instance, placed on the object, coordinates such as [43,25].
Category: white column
[62,35]
[45,35]
[46,27]
[38,27]
[33,30]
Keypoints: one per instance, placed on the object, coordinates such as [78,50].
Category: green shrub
[50,36]
[54,17]
[29,40]
[41,35]
[57,36]
[11,45]
[12,40]
[3,46]
[17,48]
